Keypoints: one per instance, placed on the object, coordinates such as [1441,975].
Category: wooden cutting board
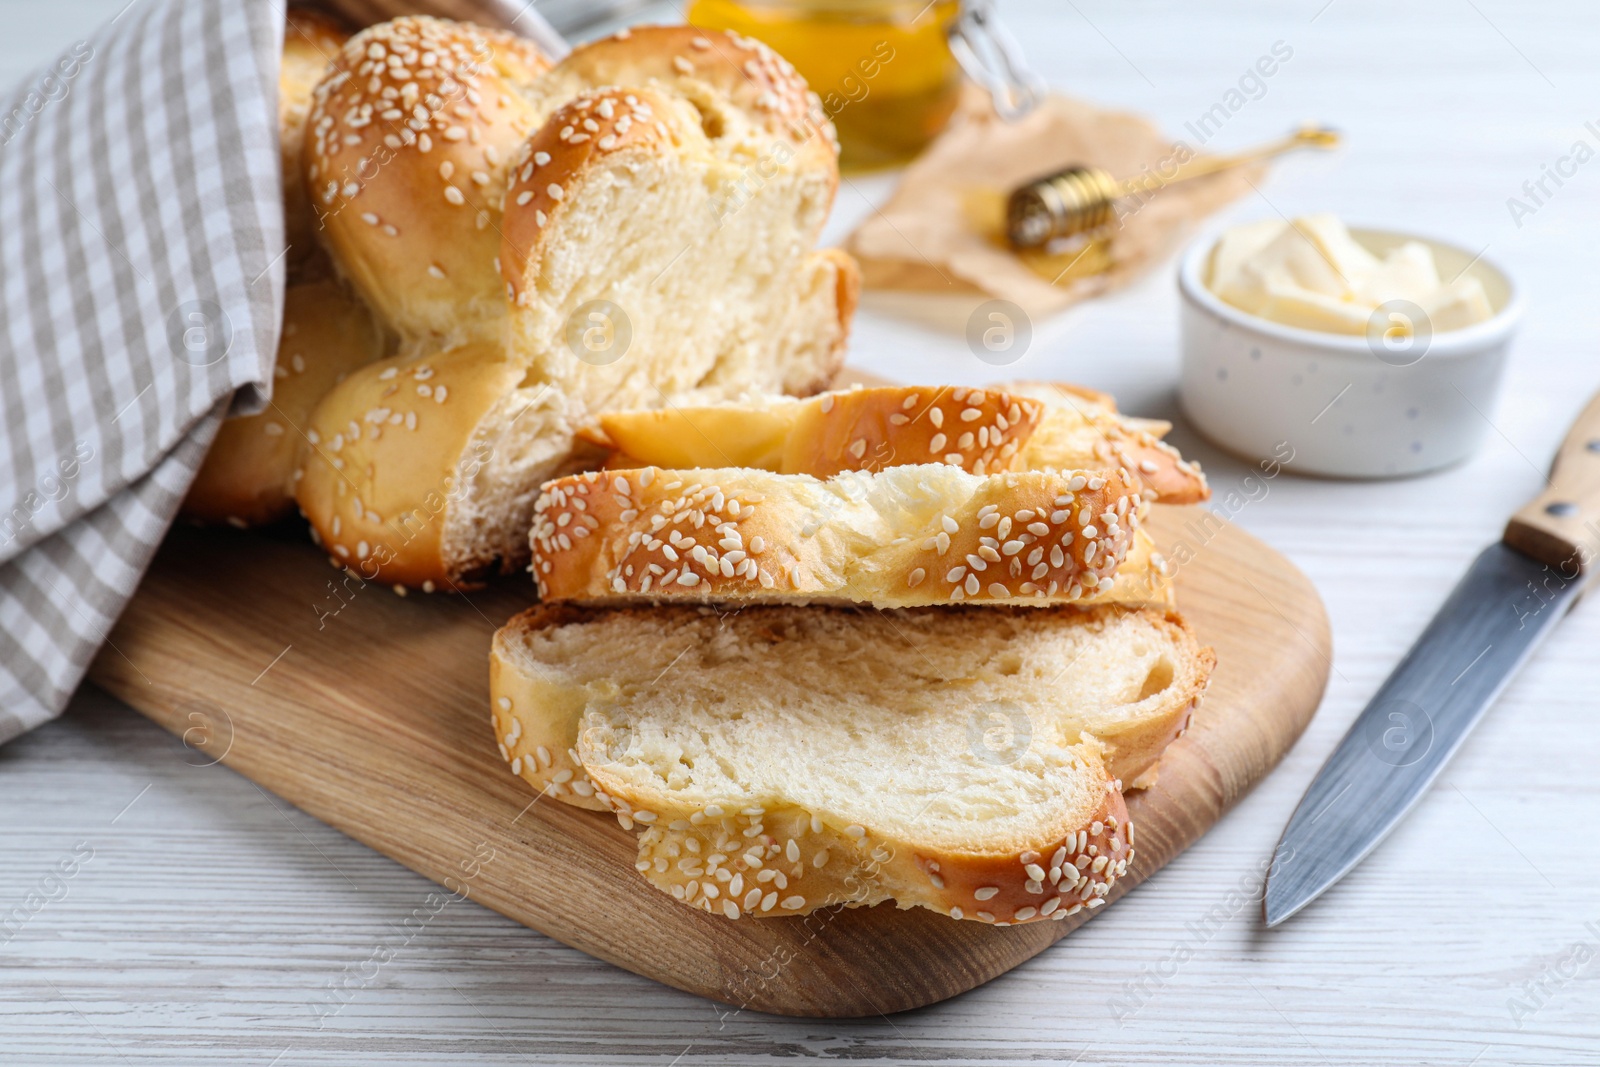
[370,711]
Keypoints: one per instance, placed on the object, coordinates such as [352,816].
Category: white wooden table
[213,919]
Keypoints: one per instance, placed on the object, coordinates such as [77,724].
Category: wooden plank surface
[372,715]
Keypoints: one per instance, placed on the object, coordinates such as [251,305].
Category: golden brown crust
[749,75]
[248,476]
[519,60]
[310,41]
[537,740]
[978,430]
[1027,537]
[407,145]
[1079,870]
[1083,392]
[775,871]
[1022,426]
[390,447]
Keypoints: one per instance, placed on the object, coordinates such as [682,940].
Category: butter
[1312,274]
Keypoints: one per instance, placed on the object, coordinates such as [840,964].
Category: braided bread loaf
[552,243]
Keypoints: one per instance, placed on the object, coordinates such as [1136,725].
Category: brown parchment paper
[930,235]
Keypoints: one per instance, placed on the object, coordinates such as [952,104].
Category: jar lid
[992,58]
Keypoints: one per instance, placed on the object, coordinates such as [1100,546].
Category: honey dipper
[1082,199]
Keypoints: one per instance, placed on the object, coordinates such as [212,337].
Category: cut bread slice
[1024,426]
[420,466]
[900,537]
[682,178]
[963,760]
[613,233]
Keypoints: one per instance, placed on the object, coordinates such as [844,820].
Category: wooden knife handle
[1561,526]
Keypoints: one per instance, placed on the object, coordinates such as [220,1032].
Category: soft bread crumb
[881,739]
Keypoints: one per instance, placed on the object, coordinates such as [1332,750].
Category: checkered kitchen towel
[141,290]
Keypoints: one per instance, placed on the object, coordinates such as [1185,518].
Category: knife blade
[1510,598]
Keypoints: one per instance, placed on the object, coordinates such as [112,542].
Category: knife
[1510,598]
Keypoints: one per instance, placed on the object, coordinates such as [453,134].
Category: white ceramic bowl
[1342,405]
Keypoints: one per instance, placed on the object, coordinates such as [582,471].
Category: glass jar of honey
[888,72]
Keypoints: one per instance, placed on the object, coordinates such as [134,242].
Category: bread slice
[1022,426]
[552,245]
[683,179]
[965,760]
[410,461]
[900,537]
